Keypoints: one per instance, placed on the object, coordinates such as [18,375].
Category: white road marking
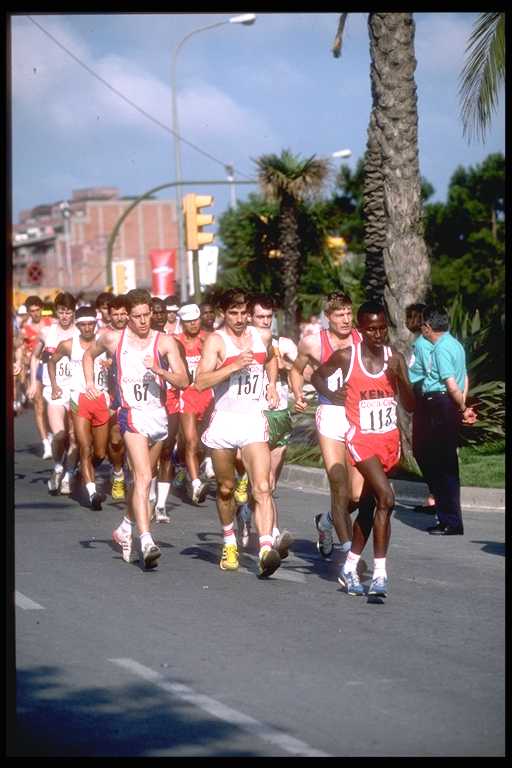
[26,603]
[219,710]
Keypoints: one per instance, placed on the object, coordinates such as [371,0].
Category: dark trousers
[435,450]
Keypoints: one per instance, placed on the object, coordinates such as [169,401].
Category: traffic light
[195,238]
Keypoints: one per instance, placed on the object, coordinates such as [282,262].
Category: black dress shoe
[448,531]
[438,528]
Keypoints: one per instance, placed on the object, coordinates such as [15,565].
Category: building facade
[63,246]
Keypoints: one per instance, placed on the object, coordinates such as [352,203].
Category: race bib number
[246,384]
[377,416]
[64,368]
[192,363]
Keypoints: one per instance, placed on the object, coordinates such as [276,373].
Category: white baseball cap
[22,310]
[189,312]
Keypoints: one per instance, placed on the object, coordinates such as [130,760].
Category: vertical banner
[163,271]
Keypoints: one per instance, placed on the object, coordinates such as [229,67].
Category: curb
[407,492]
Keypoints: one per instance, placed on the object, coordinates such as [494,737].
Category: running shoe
[269,562]
[95,502]
[118,490]
[325,542]
[65,486]
[282,543]
[229,559]
[161,515]
[350,580]
[54,482]
[198,492]
[125,541]
[379,586]
[241,490]
[149,555]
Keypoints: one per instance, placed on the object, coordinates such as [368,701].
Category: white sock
[351,562]
[265,543]
[228,532]
[146,538]
[379,567]
[47,443]
[196,483]
[58,467]
[126,526]
[275,533]
[346,546]
[162,494]
[66,476]
[50,437]
[152,489]
[91,489]
[118,474]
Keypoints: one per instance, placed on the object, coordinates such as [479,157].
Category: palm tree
[397,264]
[483,74]
[290,180]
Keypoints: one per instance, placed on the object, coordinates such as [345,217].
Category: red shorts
[193,401]
[172,401]
[96,411]
[386,447]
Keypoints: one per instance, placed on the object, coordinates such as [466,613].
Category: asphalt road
[187,660]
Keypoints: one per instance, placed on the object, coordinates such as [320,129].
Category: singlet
[371,397]
[192,350]
[137,386]
[52,339]
[245,390]
[335,380]
[30,333]
[77,370]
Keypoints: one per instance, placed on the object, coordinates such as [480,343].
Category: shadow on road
[133,721]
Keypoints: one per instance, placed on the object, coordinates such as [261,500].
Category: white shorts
[234,430]
[152,422]
[331,421]
[64,400]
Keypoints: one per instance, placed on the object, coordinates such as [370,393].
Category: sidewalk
[407,492]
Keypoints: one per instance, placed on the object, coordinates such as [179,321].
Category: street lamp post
[230,171]
[245,19]
[66,215]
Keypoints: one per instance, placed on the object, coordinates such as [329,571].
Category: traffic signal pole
[144,196]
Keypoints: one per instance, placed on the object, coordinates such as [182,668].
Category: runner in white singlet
[233,361]
[144,359]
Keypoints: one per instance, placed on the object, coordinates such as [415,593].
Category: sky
[242,91]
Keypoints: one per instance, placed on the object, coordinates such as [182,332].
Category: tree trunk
[406,261]
[289,245]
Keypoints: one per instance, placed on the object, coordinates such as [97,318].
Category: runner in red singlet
[374,376]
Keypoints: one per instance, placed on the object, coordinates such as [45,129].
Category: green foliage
[488,396]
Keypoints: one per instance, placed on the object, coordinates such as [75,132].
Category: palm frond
[483,74]
[292,176]
[338,40]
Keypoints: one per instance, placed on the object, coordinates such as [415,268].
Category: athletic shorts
[64,400]
[151,422]
[279,428]
[39,372]
[172,401]
[331,421]
[96,411]
[385,447]
[235,430]
[193,401]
